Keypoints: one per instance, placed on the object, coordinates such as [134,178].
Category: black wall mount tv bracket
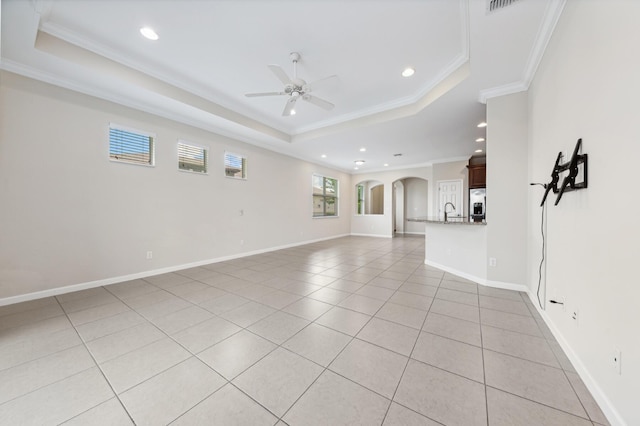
[569,183]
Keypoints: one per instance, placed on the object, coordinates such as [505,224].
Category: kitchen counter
[456,220]
[456,248]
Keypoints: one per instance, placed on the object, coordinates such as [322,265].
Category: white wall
[416,193]
[71,216]
[382,225]
[452,170]
[459,249]
[399,218]
[587,87]
[507,188]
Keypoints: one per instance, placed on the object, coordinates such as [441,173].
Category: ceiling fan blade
[291,103]
[279,72]
[254,95]
[321,82]
[318,102]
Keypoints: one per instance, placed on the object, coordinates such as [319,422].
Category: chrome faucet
[445,210]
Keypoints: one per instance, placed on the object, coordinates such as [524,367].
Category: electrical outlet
[575,316]
[149,255]
[616,361]
[493,261]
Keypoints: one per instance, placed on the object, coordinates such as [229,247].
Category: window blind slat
[192,158]
[131,147]
[235,166]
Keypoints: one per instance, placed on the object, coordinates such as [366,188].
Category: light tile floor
[349,331]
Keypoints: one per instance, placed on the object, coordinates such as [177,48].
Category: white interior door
[450,191]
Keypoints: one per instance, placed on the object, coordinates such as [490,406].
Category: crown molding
[545,31]
[410,104]
[416,102]
[155,72]
[37,74]
[507,89]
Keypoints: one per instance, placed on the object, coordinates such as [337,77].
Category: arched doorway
[410,199]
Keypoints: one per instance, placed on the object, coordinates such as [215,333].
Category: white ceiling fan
[296,88]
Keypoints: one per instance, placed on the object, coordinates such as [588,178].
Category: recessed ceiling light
[478,150]
[483,124]
[408,72]
[355,168]
[359,162]
[324,156]
[363,149]
[480,140]
[293,112]
[386,164]
[149,33]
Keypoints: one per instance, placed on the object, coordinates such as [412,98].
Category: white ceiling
[211,53]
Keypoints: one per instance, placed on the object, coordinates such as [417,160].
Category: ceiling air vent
[493,5]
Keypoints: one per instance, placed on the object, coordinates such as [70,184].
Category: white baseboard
[601,398]
[413,233]
[478,280]
[114,280]
[371,235]
[614,417]
[506,286]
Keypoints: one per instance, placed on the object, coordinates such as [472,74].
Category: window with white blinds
[131,146]
[235,166]
[192,158]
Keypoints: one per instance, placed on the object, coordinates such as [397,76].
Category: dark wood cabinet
[477,175]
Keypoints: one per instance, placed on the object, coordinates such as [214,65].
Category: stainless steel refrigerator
[478,204]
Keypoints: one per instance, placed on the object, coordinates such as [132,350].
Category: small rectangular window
[192,158]
[131,146]
[360,205]
[325,196]
[235,166]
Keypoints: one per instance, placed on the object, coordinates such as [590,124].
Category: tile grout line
[280,418]
[404,370]
[48,354]
[99,369]
[376,249]
[334,358]
[227,382]
[484,367]
[48,384]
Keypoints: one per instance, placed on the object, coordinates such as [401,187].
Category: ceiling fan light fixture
[149,33]
[359,162]
[296,88]
[408,72]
